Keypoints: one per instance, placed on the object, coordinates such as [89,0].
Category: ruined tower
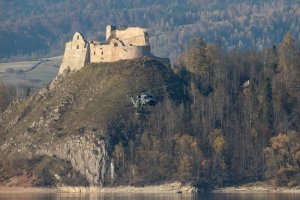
[109,30]
[76,54]
[122,43]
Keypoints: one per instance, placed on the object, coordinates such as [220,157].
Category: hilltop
[224,118]
[74,123]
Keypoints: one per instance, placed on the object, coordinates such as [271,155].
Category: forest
[240,121]
[239,124]
[31,29]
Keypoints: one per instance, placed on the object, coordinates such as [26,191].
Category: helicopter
[143,100]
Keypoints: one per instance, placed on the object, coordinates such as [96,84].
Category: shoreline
[168,188]
[254,189]
[257,187]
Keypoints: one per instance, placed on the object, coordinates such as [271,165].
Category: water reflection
[69,196]
[249,196]
[76,196]
[127,197]
[28,196]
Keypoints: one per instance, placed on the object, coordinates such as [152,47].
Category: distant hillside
[29,74]
[31,29]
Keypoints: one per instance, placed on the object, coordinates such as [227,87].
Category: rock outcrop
[89,155]
[75,121]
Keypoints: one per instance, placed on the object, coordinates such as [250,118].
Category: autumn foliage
[228,132]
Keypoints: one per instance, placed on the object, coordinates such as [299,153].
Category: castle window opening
[119,44]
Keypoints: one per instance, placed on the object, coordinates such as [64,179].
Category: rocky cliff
[65,134]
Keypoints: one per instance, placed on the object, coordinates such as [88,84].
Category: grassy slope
[90,101]
[91,98]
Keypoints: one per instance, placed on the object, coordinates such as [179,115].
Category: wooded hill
[31,29]
[233,118]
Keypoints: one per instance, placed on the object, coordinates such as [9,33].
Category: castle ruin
[121,43]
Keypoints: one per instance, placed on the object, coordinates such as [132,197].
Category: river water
[66,196]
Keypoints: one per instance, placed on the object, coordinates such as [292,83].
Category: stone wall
[129,52]
[132,36]
[109,30]
[122,44]
[116,51]
[76,54]
[100,52]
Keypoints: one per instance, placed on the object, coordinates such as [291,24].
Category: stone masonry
[121,43]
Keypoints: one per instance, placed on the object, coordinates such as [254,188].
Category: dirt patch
[25,180]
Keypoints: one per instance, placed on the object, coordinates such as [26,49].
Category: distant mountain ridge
[32,29]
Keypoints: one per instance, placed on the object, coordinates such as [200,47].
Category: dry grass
[90,101]
[93,97]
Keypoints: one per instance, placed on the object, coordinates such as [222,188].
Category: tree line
[9,94]
[241,122]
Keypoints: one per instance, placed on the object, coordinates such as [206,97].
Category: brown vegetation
[222,134]
[210,129]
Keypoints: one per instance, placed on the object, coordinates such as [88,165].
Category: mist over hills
[33,29]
